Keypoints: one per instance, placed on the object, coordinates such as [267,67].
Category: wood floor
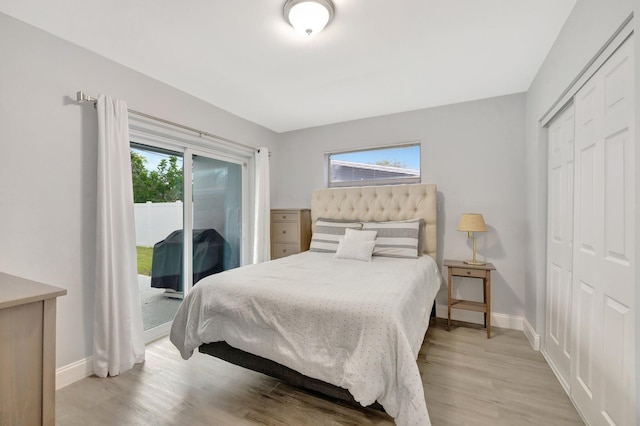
[468,380]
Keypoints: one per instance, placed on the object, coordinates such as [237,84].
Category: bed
[346,328]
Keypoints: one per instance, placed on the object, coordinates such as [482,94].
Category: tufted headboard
[380,203]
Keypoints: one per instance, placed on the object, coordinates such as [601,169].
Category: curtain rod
[83,97]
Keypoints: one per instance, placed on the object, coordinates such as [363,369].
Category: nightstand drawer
[285,232]
[461,272]
[284,217]
[279,250]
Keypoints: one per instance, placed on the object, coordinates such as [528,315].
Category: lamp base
[474,262]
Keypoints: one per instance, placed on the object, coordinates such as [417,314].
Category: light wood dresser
[27,351]
[290,231]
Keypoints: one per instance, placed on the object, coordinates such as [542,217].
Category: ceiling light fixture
[308,16]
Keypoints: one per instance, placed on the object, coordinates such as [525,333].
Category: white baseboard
[73,372]
[497,319]
[534,338]
[84,368]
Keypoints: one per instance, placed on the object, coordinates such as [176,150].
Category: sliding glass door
[208,231]
[217,215]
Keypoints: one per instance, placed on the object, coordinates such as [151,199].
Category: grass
[144,260]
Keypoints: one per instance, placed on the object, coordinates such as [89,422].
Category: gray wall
[48,162]
[473,151]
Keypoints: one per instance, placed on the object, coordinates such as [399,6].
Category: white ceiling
[376,57]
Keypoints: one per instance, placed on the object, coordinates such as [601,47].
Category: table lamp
[470,223]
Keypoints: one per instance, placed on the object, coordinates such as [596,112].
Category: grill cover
[211,254]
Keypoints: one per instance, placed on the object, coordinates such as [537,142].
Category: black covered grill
[211,254]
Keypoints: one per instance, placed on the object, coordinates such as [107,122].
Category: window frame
[372,182]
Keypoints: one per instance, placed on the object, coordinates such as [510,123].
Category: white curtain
[118,341]
[261,224]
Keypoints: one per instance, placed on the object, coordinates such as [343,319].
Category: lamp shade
[308,16]
[472,222]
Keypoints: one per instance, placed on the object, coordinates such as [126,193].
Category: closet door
[560,245]
[603,377]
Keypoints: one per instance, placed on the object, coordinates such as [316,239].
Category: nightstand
[457,268]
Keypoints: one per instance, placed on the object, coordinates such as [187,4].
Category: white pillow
[355,250]
[353,234]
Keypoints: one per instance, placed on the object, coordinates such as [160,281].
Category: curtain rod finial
[81,97]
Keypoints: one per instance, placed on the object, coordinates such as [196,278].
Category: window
[375,166]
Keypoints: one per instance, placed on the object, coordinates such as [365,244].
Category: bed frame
[370,203]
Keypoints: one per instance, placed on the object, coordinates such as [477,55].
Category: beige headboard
[381,203]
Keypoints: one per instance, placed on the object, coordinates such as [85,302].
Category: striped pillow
[396,239]
[327,233]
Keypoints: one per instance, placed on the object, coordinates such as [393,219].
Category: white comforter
[357,325]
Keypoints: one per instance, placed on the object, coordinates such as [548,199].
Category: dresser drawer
[285,232]
[279,250]
[461,272]
[284,217]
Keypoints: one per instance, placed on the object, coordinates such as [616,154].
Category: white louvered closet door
[603,370]
[560,245]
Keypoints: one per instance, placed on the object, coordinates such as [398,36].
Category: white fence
[154,221]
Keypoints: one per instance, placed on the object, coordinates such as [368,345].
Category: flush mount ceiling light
[308,16]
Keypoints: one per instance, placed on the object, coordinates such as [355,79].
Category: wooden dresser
[27,351]
[290,231]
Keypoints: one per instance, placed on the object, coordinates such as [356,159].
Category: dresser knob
[284,232]
[468,272]
[284,217]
